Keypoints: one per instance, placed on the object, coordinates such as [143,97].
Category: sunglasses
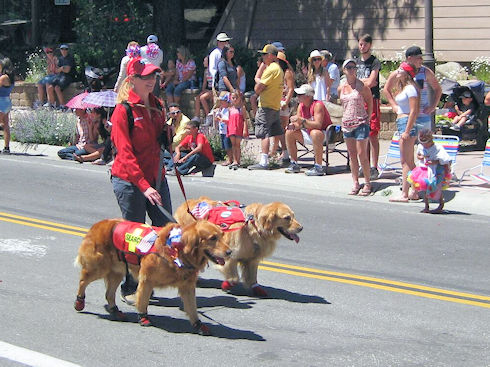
[175,112]
[351,67]
[146,77]
[316,59]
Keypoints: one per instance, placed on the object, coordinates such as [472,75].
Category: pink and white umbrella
[106,98]
[77,102]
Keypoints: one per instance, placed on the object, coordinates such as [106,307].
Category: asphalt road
[369,284]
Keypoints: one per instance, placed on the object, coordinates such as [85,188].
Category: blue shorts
[225,142]
[401,125]
[423,122]
[359,133]
[5,104]
[48,79]
[176,90]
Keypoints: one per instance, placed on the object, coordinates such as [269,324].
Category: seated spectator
[63,78]
[205,98]
[186,73]
[52,64]
[132,51]
[334,73]
[169,76]
[307,127]
[178,122]
[199,156]
[465,111]
[84,135]
[98,153]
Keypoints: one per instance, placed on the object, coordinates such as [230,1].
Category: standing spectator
[63,78]
[154,55]
[227,72]
[285,112]
[132,51]
[52,62]
[7,81]
[215,55]
[205,98]
[199,153]
[333,73]
[425,79]
[222,116]
[236,128]
[357,102]
[318,76]
[186,75]
[368,67]
[406,105]
[308,127]
[85,134]
[269,89]
[137,178]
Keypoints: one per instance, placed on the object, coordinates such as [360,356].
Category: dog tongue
[220,261]
[295,237]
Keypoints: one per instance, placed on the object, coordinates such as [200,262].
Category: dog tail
[77,263]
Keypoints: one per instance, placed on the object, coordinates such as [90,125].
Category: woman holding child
[186,75]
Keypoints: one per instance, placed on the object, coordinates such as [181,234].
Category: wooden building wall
[461,29]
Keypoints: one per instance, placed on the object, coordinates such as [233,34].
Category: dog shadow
[273,293]
[203,302]
[182,326]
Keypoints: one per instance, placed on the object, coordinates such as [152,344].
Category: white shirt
[157,61]
[402,99]
[122,72]
[213,60]
[320,88]
[334,72]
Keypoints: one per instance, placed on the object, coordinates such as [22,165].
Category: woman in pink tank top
[355,96]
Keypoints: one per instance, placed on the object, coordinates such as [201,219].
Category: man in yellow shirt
[177,121]
[269,89]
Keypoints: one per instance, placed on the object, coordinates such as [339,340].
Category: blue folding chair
[482,176]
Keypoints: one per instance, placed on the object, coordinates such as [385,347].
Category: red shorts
[375,123]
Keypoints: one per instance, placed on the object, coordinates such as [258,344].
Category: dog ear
[266,217]
[190,238]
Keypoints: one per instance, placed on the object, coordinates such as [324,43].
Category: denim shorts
[48,79]
[401,125]
[423,122]
[5,104]
[225,142]
[359,133]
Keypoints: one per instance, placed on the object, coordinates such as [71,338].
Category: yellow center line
[301,271]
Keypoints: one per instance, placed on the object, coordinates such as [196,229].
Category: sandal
[355,191]
[225,164]
[366,190]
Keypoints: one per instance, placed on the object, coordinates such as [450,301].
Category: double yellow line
[360,280]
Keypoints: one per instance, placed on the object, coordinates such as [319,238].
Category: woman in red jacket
[136,169]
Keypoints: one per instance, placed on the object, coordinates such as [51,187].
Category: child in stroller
[466,108]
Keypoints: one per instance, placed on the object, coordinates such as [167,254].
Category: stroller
[475,129]
[96,78]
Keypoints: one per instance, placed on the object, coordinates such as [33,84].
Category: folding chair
[450,143]
[392,154]
[485,163]
[334,138]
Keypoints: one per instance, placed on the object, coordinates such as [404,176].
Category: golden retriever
[256,240]
[98,259]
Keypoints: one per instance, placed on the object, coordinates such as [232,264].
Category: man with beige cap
[213,59]
[269,89]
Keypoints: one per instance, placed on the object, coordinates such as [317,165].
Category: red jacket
[138,156]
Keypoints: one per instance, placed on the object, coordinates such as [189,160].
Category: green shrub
[43,126]
[481,68]
[36,66]
[214,139]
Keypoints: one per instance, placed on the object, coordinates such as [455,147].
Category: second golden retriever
[256,240]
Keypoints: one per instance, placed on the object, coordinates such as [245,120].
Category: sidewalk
[471,197]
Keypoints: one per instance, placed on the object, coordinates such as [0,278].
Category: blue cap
[64,46]
[279,46]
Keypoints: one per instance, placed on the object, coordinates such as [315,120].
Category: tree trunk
[168,21]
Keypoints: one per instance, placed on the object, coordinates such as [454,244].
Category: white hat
[348,61]
[305,89]
[315,53]
[223,37]
[152,39]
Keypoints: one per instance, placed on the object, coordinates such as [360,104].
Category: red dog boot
[226,285]
[144,320]
[201,329]
[80,303]
[258,291]
[115,314]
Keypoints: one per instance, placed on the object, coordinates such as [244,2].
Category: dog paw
[143,319]
[115,314]
[201,329]
[80,303]
[258,291]
[226,285]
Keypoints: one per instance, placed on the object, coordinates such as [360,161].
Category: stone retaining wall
[25,94]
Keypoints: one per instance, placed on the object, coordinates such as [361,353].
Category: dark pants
[198,160]
[67,153]
[134,206]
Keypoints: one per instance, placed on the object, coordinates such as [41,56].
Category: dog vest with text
[134,240]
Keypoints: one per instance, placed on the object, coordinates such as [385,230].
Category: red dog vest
[134,240]
[224,215]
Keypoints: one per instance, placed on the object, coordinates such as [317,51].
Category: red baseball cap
[405,66]
[138,66]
